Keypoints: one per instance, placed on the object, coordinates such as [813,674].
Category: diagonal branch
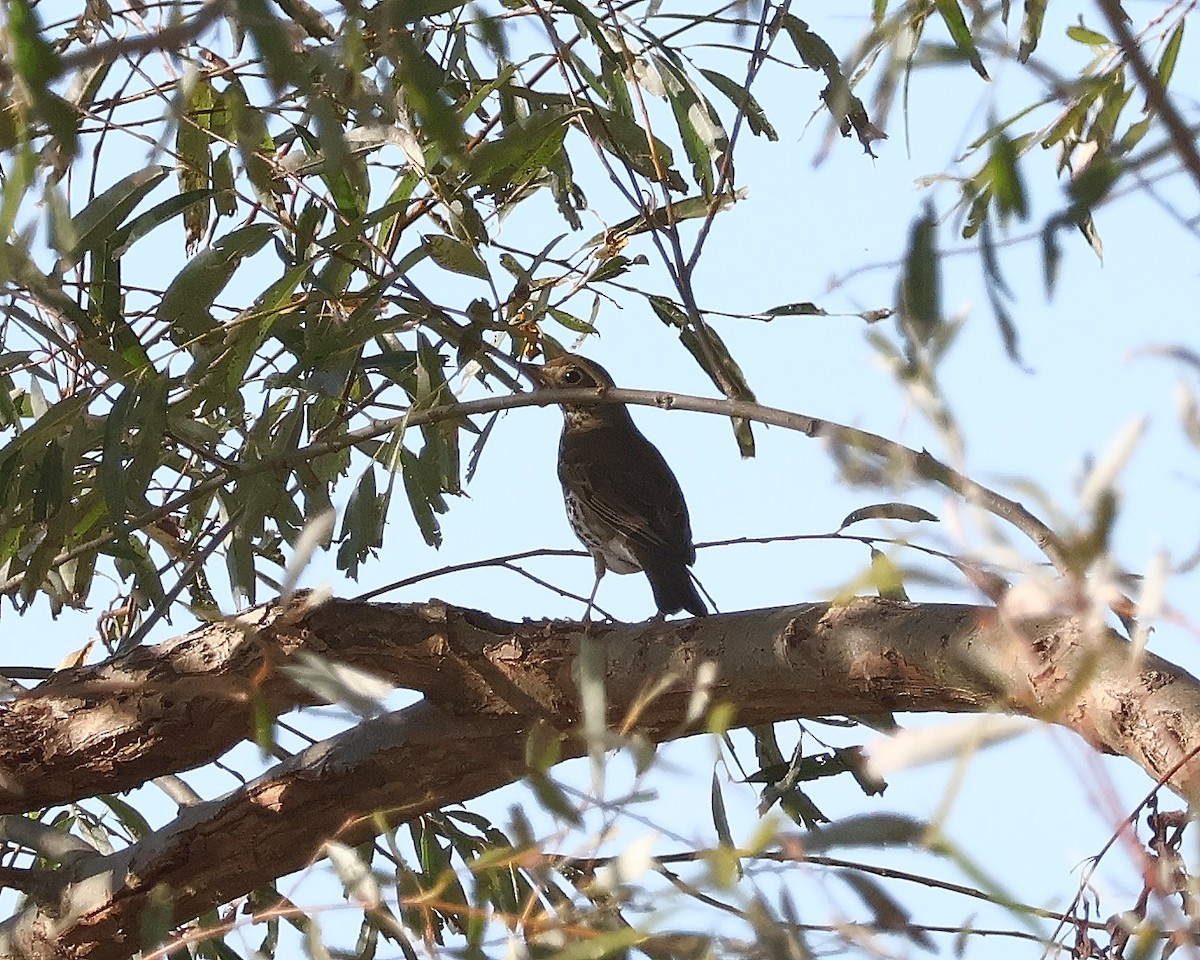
[919,463]
[1182,138]
[491,682]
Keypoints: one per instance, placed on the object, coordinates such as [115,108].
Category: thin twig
[921,463]
[1182,138]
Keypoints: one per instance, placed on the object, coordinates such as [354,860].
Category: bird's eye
[572,375]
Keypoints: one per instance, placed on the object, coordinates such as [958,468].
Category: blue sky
[1028,810]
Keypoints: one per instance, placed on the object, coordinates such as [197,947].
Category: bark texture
[488,684]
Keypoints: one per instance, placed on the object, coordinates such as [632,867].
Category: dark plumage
[622,499]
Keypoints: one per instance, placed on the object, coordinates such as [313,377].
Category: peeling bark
[487,684]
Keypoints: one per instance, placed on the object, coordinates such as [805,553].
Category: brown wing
[622,478]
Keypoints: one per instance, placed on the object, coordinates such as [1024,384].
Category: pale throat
[585,418]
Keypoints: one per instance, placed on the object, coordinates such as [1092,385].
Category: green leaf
[614,944]
[124,237]
[1081,34]
[1070,124]
[886,912]
[1166,63]
[921,286]
[715,359]
[1008,188]
[156,918]
[847,109]
[802,809]
[481,92]
[343,175]
[669,312]
[720,819]
[50,491]
[625,139]
[222,175]
[112,461]
[249,132]
[1091,184]
[952,14]
[480,443]
[419,499]
[424,82]
[34,58]
[455,256]
[59,419]
[572,323]
[39,65]
[192,140]
[1134,135]
[704,139]
[410,11]
[888,511]
[1031,28]
[1051,255]
[868,830]
[433,859]
[106,305]
[61,230]
[804,309]
[522,151]
[130,818]
[189,297]
[131,559]
[598,32]
[977,212]
[886,577]
[239,562]
[756,117]
[998,291]
[552,798]
[676,211]
[149,420]
[274,40]
[95,223]
[440,459]
[812,48]
[1111,103]
[1087,226]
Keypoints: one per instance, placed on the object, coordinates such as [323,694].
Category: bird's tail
[674,590]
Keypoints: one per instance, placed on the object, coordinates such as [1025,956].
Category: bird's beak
[534,374]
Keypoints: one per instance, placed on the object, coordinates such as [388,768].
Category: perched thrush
[622,499]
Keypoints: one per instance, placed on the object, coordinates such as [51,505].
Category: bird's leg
[600,570]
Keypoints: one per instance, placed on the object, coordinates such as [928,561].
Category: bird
[622,499]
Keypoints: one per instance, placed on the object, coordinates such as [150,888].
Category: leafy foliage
[317,206]
[207,345]
[320,205]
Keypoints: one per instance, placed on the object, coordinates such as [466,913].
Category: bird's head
[567,372]
[572,372]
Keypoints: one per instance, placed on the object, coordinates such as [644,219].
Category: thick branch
[116,725]
[495,681]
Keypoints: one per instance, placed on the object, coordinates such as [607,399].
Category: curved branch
[492,682]
[46,841]
[921,463]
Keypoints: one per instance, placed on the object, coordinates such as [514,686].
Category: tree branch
[920,463]
[1183,140]
[488,684]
